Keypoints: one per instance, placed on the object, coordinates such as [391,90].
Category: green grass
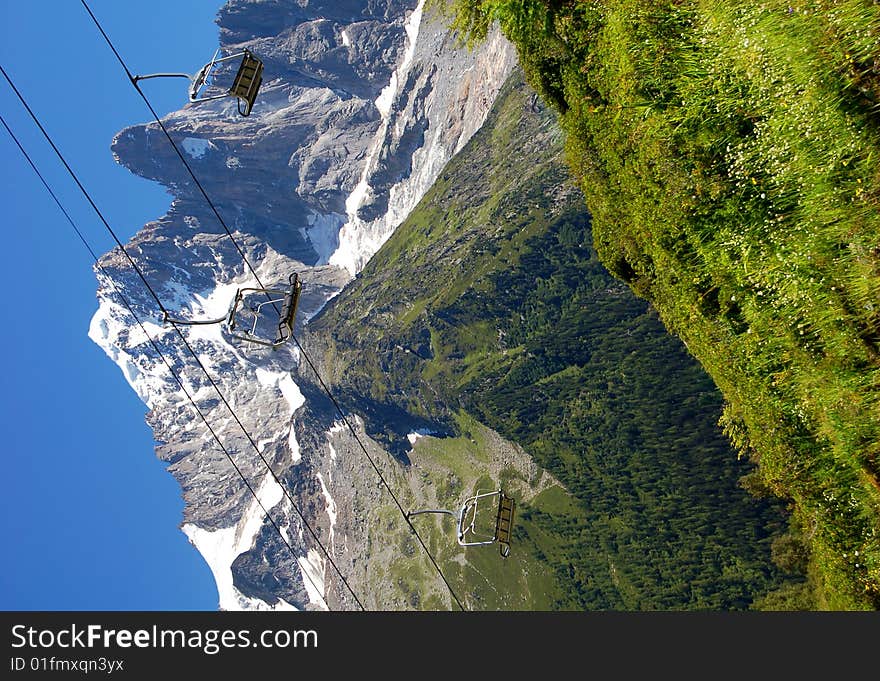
[729,154]
[449,470]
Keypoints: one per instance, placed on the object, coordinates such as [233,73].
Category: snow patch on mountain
[197,148]
[389,92]
[145,332]
[330,507]
[437,98]
[291,393]
[112,329]
[415,435]
[353,252]
[337,427]
[313,567]
[221,547]
[323,233]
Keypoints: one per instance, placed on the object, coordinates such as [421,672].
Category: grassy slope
[443,471]
[730,156]
[490,298]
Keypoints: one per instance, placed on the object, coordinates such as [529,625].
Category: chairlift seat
[288,310]
[245,85]
[247,82]
[504,522]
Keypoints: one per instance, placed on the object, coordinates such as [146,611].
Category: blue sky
[90,515]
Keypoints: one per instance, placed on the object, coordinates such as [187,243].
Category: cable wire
[177,329]
[379,473]
[134,82]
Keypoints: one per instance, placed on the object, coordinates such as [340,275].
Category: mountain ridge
[283,200]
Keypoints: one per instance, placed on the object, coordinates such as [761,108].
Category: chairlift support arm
[135,79]
[459,516]
[432,510]
[192,322]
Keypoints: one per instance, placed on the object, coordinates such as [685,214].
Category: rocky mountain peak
[362,103]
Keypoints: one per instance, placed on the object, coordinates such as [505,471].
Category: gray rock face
[362,103]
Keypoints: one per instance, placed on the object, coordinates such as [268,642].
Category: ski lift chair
[467,531]
[287,298]
[203,87]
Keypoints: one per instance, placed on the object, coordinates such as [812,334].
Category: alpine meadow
[729,158]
